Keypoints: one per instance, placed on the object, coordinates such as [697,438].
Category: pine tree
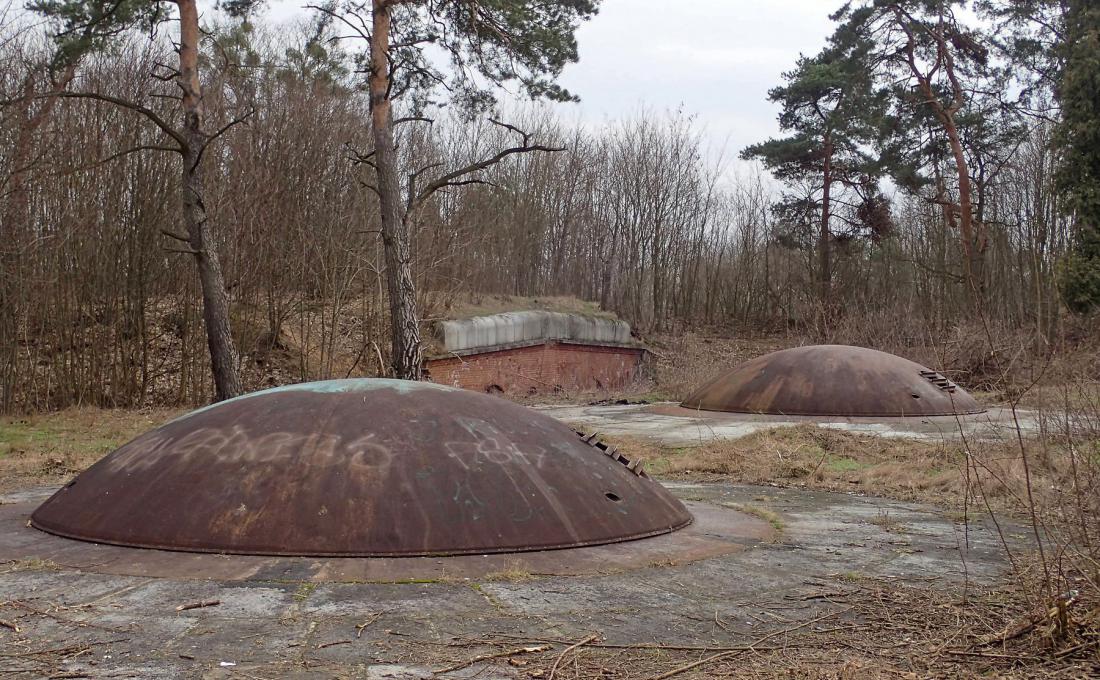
[935,63]
[85,26]
[1078,136]
[489,43]
[831,110]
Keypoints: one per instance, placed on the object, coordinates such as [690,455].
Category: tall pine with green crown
[830,108]
[1078,135]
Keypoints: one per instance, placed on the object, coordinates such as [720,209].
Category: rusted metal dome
[833,380]
[361,468]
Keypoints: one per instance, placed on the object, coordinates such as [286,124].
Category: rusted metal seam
[637,466]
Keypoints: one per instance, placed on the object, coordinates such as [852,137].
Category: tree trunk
[824,269]
[404,322]
[215,300]
[971,256]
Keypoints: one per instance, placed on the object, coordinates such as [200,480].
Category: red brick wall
[540,368]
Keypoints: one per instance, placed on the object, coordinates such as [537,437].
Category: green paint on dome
[336,386]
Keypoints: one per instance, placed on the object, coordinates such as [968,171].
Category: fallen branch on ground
[360,627]
[557,662]
[750,647]
[198,605]
[1056,613]
[497,655]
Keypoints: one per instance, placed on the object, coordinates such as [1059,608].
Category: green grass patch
[845,465]
[304,591]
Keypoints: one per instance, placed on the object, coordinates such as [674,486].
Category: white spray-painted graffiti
[238,445]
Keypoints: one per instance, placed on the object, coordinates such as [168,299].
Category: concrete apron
[715,531]
[668,423]
[273,625]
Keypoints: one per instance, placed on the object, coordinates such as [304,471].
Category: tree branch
[145,111]
[362,32]
[178,237]
[219,133]
[412,183]
[411,119]
[453,178]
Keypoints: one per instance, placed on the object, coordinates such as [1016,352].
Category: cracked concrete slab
[667,423]
[119,626]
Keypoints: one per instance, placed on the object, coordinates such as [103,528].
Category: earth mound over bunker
[833,380]
[361,468]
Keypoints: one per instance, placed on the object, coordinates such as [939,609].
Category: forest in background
[100,304]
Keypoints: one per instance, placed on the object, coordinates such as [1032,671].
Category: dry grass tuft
[513,573]
[759,511]
[946,473]
[807,455]
[887,523]
[29,564]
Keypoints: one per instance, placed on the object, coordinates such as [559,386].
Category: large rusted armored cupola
[362,468]
[833,380]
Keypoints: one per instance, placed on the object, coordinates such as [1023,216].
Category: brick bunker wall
[540,368]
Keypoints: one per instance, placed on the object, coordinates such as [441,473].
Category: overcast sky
[714,58]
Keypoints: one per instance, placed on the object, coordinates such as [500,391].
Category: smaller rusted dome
[833,380]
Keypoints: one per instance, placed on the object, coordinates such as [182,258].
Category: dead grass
[852,628]
[30,564]
[50,448]
[686,360]
[814,457]
[513,573]
[884,521]
[766,514]
[811,456]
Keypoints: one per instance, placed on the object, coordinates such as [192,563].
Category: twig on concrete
[749,647]
[360,627]
[718,622]
[62,619]
[554,668]
[198,605]
[58,650]
[486,657]
[64,650]
[643,645]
